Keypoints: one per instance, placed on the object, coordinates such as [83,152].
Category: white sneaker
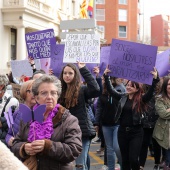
[117,167]
[104,167]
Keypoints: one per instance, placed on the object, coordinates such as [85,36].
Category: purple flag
[163,63]
[132,61]
[28,114]
[39,43]
[104,58]
[57,59]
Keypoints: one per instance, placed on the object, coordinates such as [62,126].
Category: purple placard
[104,58]
[132,61]
[57,64]
[163,63]
[39,43]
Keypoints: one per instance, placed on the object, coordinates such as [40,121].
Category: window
[13,43]
[100,1]
[100,14]
[122,15]
[123,2]
[122,32]
[101,27]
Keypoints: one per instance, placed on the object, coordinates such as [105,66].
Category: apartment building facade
[18,17]
[160,30]
[118,19]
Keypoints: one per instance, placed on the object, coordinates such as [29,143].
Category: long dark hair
[69,96]
[138,104]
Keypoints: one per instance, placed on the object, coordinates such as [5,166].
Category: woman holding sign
[52,138]
[74,97]
[29,100]
[130,108]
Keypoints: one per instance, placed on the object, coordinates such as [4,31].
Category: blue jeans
[82,158]
[111,141]
[168,157]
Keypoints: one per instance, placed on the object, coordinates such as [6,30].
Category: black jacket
[106,110]
[90,90]
[122,98]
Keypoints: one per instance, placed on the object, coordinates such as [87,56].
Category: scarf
[44,130]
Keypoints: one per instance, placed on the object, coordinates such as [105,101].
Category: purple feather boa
[42,131]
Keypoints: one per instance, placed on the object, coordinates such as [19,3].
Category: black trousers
[130,142]
[147,138]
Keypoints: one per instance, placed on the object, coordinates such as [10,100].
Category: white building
[18,17]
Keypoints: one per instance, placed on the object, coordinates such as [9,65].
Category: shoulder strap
[9,98]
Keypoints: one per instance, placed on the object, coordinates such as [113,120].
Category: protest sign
[163,63]
[84,48]
[104,58]
[21,67]
[57,64]
[45,64]
[16,92]
[132,61]
[39,43]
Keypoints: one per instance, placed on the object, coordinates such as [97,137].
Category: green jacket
[161,130]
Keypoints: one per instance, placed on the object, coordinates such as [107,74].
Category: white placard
[23,67]
[84,48]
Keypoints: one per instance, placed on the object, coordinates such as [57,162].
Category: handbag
[31,163]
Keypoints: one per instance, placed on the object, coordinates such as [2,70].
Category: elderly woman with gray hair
[6,101]
[56,142]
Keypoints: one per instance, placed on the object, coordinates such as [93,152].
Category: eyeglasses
[46,93]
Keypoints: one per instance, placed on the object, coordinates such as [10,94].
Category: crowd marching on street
[59,117]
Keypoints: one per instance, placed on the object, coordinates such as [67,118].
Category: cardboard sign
[163,63]
[84,48]
[23,67]
[57,59]
[39,43]
[132,61]
[104,58]
[16,92]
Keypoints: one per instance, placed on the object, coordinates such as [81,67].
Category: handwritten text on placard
[132,61]
[82,47]
[38,43]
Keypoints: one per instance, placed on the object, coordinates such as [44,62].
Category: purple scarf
[42,131]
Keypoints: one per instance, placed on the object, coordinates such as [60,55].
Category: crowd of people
[54,126]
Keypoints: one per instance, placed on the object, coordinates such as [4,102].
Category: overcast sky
[152,8]
[156,7]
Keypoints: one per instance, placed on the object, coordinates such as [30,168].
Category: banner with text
[84,48]
[39,43]
[132,61]
[163,63]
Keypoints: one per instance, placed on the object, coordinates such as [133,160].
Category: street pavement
[97,161]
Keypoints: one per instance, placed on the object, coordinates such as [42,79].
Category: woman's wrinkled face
[131,89]
[30,97]
[48,95]
[68,75]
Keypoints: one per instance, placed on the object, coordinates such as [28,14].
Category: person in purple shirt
[29,100]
